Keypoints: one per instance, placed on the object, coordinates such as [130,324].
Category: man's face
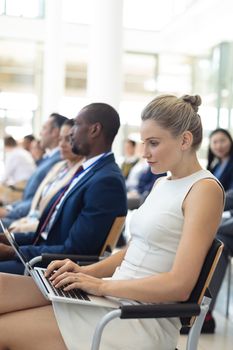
[46,133]
[80,133]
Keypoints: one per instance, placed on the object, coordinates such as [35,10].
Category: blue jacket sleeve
[103,202]
[20,209]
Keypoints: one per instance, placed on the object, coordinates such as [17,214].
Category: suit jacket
[229,201]
[39,201]
[226,177]
[21,208]
[85,216]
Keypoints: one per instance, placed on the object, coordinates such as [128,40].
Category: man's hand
[6,252]
[3,239]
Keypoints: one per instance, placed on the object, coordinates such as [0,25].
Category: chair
[229,271]
[108,246]
[192,312]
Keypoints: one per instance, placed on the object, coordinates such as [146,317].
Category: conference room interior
[60,55]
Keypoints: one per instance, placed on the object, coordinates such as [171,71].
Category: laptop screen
[10,237]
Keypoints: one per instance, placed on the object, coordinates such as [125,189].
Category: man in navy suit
[78,219]
[49,141]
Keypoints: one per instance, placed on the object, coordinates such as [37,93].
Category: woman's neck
[186,168]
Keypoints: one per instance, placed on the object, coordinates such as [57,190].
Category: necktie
[56,202]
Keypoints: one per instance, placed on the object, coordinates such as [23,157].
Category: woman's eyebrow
[153,138]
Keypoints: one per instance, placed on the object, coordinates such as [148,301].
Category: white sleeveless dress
[156,229]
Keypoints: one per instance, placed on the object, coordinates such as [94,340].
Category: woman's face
[220,145]
[161,149]
[64,144]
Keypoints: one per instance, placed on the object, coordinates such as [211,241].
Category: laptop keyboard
[73,294]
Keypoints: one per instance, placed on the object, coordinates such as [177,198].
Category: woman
[56,179]
[171,234]
[220,157]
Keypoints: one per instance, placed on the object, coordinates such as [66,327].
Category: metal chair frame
[192,312]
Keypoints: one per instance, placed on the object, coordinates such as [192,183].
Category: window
[22,8]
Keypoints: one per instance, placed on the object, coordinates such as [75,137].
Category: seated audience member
[37,151]
[27,141]
[49,140]
[220,157]
[19,166]
[78,219]
[130,157]
[57,178]
[134,175]
[136,195]
[170,239]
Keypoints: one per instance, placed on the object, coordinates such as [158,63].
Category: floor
[223,337]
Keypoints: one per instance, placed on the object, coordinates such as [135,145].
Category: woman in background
[56,179]
[220,157]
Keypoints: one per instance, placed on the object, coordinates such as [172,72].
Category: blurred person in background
[37,151]
[57,178]
[19,166]
[49,140]
[27,140]
[131,157]
[220,157]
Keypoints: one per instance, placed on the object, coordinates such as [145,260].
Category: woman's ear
[187,140]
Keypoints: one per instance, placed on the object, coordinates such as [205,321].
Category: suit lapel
[109,159]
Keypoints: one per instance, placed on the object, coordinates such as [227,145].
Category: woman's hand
[72,280]
[58,267]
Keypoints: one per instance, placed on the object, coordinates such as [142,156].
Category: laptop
[76,296]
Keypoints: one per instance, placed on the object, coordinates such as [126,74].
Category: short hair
[69,122]
[210,154]
[132,142]
[176,115]
[58,120]
[29,137]
[106,115]
[9,141]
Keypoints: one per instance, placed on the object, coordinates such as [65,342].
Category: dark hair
[132,142]
[210,154]
[106,115]
[58,120]
[69,122]
[9,141]
[29,137]
[177,115]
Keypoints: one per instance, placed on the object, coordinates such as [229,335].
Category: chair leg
[228,286]
[195,330]
[100,327]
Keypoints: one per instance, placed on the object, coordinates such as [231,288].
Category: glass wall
[22,8]
[145,74]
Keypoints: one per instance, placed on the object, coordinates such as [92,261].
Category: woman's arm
[104,268]
[202,213]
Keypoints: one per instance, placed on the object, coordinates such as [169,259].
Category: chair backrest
[113,235]
[205,277]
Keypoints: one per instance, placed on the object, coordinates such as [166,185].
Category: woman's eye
[154,143]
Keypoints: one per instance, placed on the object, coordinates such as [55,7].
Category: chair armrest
[83,259]
[160,310]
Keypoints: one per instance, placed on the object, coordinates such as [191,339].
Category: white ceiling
[192,29]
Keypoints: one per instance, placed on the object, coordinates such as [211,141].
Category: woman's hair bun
[194,100]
